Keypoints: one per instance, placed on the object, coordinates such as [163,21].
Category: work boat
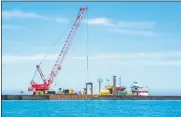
[138,90]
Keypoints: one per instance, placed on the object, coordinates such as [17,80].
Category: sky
[137,41]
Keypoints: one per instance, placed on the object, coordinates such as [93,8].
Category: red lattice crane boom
[57,66]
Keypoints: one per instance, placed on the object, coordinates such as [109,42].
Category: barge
[86,97]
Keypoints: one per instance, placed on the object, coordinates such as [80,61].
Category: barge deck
[86,97]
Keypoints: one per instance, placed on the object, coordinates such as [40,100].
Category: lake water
[91,108]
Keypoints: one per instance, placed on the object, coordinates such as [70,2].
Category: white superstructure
[138,90]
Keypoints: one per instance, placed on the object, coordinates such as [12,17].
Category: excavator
[43,88]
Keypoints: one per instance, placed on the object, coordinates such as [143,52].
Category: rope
[35,72]
[56,42]
[87,45]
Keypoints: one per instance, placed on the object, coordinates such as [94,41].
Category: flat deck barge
[86,97]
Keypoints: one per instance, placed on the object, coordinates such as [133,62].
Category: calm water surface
[91,108]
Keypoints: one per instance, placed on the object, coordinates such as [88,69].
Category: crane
[58,64]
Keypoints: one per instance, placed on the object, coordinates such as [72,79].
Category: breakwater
[86,97]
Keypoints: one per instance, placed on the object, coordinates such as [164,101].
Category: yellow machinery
[44,92]
[68,91]
[105,92]
[38,93]
[130,93]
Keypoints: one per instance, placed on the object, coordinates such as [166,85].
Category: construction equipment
[109,90]
[58,64]
[68,91]
[105,92]
[113,90]
[91,88]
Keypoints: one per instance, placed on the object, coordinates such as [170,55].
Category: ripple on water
[91,108]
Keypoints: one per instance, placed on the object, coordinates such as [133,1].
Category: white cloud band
[20,14]
[153,58]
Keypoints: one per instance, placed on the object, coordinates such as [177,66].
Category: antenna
[120,81]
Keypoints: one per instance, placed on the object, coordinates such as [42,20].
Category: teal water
[91,108]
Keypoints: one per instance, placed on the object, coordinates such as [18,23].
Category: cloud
[62,20]
[140,25]
[141,28]
[121,24]
[124,58]
[20,14]
[13,58]
[132,56]
[166,63]
[102,21]
[5,26]
[30,15]
[133,32]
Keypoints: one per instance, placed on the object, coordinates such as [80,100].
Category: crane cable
[54,44]
[87,47]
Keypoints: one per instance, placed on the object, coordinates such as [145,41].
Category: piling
[114,85]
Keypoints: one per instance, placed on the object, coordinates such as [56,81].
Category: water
[91,108]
